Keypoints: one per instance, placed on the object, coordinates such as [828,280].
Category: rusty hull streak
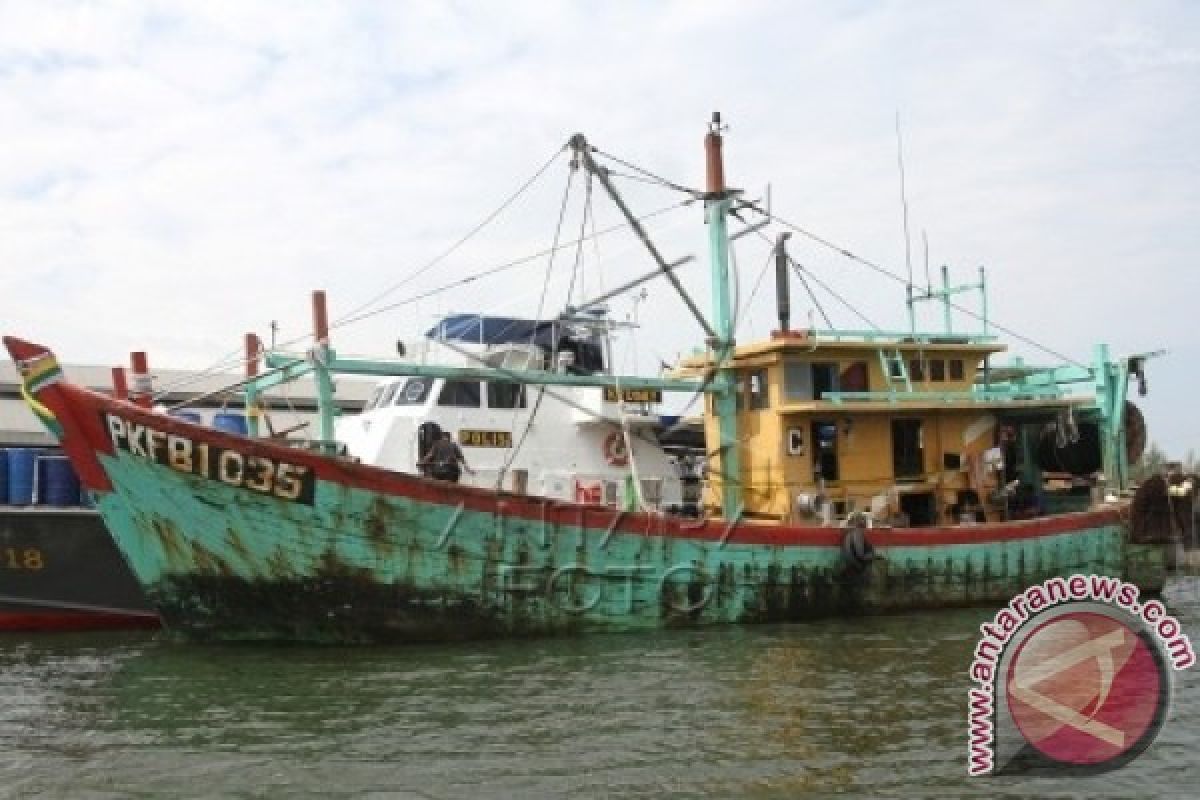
[377,526]
[169,540]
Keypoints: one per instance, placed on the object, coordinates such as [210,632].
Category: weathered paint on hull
[361,565]
[381,556]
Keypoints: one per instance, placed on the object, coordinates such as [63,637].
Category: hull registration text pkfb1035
[256,473]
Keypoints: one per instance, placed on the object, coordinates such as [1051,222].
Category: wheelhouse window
[825,450]
[824,379]
[916,370]
[854,377]
[385,397]
[460,394]
[413,392]
[937,370]
[759,393]
[505,394]
[373,400]
[956,369]
[797,380]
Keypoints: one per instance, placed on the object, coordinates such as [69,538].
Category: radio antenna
[912,322]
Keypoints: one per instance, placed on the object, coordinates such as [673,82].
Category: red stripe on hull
[63,621]
[85,437]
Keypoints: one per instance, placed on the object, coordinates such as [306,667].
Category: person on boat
[445,460]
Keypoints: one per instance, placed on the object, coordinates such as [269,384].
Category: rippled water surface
[864,707]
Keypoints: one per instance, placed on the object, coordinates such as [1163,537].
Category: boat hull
[62,572]
[235,538]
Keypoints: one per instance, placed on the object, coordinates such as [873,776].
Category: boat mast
[717,202]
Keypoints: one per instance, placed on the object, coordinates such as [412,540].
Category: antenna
[912,322]
[928,277]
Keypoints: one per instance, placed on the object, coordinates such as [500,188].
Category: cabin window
[652,492]
[825,454]
[937,370]
[374,398]
[824,379]
[759,393]
[414,392]
[908,449]
[956,369]
[505,394]
[916,370]
[385,397]
[797,381]
[460,394]
[854,378]
[739,391]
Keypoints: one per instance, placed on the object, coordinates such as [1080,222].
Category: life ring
[615,451]
[857,549]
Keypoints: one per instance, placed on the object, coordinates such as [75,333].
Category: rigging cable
[537,404]
[237,358]
[900,279]
[754,292]
[695,194]
[512,198]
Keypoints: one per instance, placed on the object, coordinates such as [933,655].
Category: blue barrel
[231,422]
[3,476]
[58,485]
[22,470]
[189,416]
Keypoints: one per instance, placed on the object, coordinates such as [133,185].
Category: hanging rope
[487,220]
[653,178]
[520,443]
[236,358]
[900,279]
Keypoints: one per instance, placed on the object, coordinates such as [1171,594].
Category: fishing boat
[847,473]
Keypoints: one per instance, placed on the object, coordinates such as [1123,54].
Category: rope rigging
[849,255]
[901,280]
[487,220]
[237,359]
[374,306]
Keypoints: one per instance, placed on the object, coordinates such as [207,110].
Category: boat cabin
[913,429]
[579,443]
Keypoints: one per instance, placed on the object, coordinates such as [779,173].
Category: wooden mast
[718,199]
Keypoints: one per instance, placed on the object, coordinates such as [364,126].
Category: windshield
[413,392]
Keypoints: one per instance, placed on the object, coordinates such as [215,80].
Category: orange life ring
[615,452]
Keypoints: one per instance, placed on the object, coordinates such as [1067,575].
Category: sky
[173,175]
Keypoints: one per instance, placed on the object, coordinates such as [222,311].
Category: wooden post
[252,410]
[143,384]
[120,386]
[322,356]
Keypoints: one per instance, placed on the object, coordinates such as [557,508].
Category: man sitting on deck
[444,458]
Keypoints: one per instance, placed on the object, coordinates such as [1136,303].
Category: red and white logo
[1085,688]
[1072,677]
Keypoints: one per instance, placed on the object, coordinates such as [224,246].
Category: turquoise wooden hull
[364,566]
[237,538]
